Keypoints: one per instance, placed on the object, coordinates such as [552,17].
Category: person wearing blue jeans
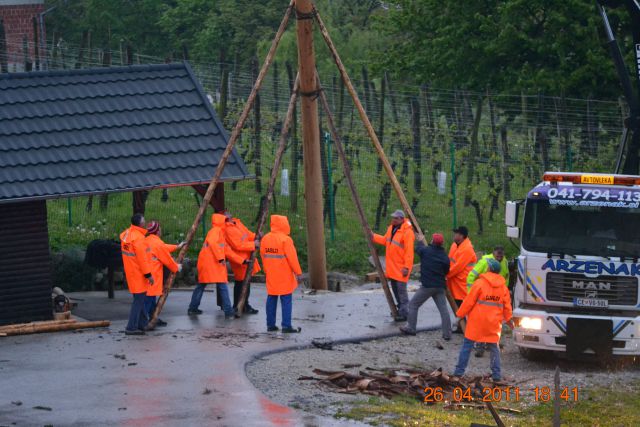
[223,291]
[465,352]
[137,316]
[272,308]
[149,305]
[486,307]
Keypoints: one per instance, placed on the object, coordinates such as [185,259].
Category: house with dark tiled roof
[93,131]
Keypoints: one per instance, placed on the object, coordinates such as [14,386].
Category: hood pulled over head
[217,220]
[280,224]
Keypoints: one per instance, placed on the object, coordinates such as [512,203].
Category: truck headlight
[534,323]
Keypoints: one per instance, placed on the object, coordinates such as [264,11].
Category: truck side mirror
[513,232]
[511,214]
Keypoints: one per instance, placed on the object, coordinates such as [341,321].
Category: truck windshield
[581,230]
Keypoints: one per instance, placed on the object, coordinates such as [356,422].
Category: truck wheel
[535,355]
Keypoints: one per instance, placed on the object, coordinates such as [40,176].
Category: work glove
[179,268]
[151,281]
[404,271]
[181,245]
[257,243]
[221,261]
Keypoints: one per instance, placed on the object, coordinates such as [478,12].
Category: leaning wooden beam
[35,328]
[282,145]
[223,160]
[374,138]
[356,200]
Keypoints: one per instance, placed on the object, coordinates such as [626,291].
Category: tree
[113,21]
[222,28]
[509,45]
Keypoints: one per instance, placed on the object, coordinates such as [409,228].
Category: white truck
[577,272]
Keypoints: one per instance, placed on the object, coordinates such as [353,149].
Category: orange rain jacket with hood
[279,258]
[242,241]
[487,306]
[462,258]
[160,257]
[212,266]
[398,250]
[136,260]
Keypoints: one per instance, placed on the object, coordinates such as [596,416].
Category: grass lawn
[598,406]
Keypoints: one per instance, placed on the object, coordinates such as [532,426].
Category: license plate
[591,302]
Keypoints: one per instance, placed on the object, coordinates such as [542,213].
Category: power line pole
[317,263]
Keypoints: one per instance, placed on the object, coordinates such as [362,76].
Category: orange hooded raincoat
[135,257]
[487,306]
[242,241]
[160,257]
[279,258]
[398,251]
[212,266]
[462,258]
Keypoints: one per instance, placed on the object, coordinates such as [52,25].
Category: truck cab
[577,273]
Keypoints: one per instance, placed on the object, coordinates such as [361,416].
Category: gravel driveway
[277,374]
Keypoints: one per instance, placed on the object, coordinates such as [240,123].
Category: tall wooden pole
[235,134]
[317,263]
[356,201]
[282,145]
[376,142]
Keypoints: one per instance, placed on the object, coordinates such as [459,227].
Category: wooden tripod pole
[282,145]
[374,138]
[223,160]
[356,200]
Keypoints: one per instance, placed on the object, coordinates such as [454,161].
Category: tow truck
[577,286]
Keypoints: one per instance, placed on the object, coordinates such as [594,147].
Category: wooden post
[356,200]
[223,160]
[282,145]
[374,139]
[317,264]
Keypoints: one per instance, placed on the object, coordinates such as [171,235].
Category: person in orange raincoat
[212,266]
[462,257]
[282,269]
[486,307]
[244,243]
[137,269]
[160,258]
[398,242]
